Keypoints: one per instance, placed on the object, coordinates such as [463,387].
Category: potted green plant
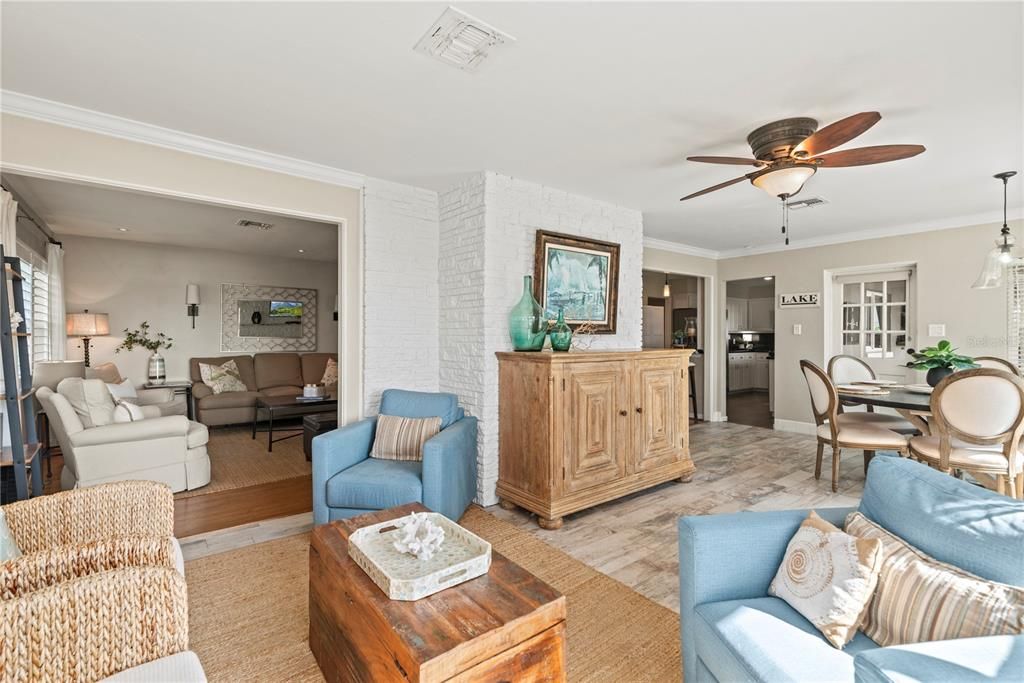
[140,337]
[940,361]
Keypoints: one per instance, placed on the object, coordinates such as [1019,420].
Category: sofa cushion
[421,404]
[942,516]
[244,363]
[281,391]
[183,667]
[764,639]
[313,365]
[232,399]
[277,370]
[968,660]
[375,485]
[90,399]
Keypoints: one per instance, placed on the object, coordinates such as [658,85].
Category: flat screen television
[285,309]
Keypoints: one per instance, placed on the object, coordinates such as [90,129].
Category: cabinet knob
[623,413]
[639,410]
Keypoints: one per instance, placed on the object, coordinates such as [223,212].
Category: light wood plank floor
[634,539]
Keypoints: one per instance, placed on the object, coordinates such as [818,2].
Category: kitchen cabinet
[761,314]
[736,314]
[748,371]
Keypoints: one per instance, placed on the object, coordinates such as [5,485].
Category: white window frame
[35,281]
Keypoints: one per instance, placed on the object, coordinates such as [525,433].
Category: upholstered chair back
[982,406]
[824,399]
[996,363]
[849,369]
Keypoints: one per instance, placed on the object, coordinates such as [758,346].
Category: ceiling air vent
[255,225]
[806,203]
[460,40]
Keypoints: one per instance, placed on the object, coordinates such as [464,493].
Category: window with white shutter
[1015,314]
[36,293]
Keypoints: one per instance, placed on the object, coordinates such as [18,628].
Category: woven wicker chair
[92,627]
[85,531]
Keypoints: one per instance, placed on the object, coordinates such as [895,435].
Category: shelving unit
[19,401]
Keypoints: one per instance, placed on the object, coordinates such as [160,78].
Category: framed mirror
[268,318]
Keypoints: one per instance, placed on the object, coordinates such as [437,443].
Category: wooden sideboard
[580,428]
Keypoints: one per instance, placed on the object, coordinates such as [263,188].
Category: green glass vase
[561,333]
[526,323]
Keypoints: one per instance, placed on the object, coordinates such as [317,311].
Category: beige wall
[134,281]
[947,261]
[49,150]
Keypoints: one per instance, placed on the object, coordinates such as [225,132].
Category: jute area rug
[248,612]
[236,460]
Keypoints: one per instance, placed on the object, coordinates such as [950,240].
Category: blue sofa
[347,482]
[732,630]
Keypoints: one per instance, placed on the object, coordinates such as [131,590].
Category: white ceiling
[73,209]
[602,99]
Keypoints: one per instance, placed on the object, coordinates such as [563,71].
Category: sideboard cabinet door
[658,388]
[597,435]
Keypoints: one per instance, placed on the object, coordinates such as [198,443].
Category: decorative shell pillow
[330,373]
[222,378]
[829,576]
[920,599]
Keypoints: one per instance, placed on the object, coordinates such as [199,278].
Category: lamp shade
[192,294]
[784,182]
[88,324]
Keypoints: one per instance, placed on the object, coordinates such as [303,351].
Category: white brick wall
[400,326]
[488,228]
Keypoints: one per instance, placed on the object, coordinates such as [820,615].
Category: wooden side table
[506,625]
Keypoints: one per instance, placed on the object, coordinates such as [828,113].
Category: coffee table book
[505,625]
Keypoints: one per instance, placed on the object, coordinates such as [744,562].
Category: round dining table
[913,406]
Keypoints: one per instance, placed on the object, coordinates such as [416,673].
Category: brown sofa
[264,374]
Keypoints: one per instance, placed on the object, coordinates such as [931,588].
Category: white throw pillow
[122,390]
[9,550]
[127,412]
[222,378]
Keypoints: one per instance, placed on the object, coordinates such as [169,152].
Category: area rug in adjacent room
[237,460]
[248,612]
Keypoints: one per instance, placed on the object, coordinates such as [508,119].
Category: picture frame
[580,275]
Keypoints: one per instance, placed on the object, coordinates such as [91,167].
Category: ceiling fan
[788,152]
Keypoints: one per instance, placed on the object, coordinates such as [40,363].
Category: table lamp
[88,325]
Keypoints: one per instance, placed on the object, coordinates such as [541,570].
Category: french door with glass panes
[875,320]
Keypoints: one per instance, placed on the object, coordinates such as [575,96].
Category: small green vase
[526,324]
[561,333]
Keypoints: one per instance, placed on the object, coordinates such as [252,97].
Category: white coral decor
[419,536]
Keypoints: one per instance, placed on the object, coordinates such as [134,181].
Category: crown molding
[841,238]
[28,106]
[680,248]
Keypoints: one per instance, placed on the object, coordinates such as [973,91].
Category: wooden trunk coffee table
[507,625]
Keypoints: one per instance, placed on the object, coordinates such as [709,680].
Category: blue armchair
[732,630]
[347,482]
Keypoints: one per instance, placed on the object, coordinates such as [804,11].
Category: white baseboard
[795,426]
[718,417]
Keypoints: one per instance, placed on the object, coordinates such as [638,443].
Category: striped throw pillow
[402,438]
[920,599]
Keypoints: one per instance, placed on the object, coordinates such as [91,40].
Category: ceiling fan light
[785,181]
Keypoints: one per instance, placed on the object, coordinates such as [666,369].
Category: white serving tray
[462,556]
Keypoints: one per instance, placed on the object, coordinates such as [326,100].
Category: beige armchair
[49,374]
[168,449]
[837,430]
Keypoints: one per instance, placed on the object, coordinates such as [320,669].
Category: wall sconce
[335,308]
[192,300]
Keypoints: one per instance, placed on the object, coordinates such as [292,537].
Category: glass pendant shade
[1004,253]
[666,291]
[785,181]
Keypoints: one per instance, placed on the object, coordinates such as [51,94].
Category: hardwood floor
[634,539]
[749,408]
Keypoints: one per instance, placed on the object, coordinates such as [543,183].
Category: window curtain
[8,223]
[58,328]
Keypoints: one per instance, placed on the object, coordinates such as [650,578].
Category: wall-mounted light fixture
[335,308]
[192,300]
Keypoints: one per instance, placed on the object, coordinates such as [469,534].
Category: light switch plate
[798,329]
[936,330]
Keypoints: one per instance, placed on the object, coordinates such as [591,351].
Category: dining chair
[978,418]
[997,363]
[838,430]
[845,369]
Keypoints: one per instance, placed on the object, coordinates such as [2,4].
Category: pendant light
[1005,251]
[666,291]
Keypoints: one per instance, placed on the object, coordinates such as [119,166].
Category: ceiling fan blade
[719,186]
[737,161]
[864,156]
[836,134]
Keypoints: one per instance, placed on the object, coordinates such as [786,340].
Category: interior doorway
[750,351]
[675,316]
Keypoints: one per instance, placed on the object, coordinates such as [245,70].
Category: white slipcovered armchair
[169,449]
